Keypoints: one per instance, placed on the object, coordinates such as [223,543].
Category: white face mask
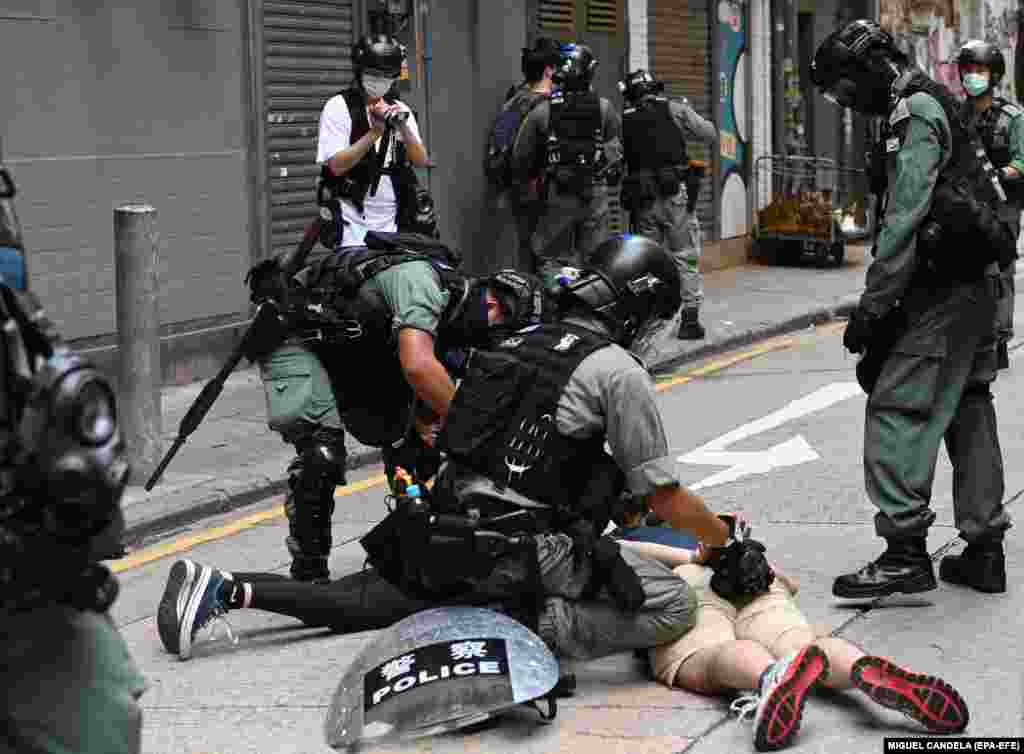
[975,83]
[377,86]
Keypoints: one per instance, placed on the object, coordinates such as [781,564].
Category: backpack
[502,139]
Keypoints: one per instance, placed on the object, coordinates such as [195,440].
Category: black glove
[859,331]
[584,537]
[615,574]
[740,567]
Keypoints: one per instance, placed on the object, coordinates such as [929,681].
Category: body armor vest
[575,148]
[355,184]
[651,139]
[966,200]
[994,129]
[503,419]
[348,325]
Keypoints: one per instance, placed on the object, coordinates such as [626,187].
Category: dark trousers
[358,602]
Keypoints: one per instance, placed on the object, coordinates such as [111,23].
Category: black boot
[981,566]
[690,327]
[905,567]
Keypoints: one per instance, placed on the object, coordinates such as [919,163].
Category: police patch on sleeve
[1012,110]
[479,665]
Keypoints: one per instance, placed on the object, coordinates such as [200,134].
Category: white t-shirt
[380,209]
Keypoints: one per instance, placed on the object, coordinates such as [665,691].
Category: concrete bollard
[138,336]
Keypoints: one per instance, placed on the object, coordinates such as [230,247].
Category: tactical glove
[859,331]
[740,567]
[615,574]
[584,537]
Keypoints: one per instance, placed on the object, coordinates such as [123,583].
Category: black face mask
[469,326]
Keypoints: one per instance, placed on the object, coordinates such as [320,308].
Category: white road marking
[792,452]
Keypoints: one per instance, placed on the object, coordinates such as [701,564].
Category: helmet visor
[842,93]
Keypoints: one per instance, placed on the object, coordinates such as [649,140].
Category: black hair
[627,506]
[545,52]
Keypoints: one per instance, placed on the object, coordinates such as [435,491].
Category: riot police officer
[525,436]
[395,312]
[655,129]
[69,682]
[568,152]
[925,318]
[1001,127]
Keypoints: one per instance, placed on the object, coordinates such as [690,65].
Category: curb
[231,497]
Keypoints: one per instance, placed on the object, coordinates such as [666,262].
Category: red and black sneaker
[925,698]
[781,696]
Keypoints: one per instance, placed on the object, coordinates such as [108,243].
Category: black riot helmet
[522,297]
[630,282]
[856,67]
[639,84]
[575,69]
[62,460]
[380,54]
[980,52]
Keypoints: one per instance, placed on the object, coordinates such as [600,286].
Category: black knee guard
[312,477]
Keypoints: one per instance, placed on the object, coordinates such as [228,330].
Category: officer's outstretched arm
[687,512]
[426,375]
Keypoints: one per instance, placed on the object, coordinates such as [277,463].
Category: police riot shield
[436,671]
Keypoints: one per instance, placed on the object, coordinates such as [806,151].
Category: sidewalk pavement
[233,459]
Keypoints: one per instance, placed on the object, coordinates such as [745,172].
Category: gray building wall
[116,101]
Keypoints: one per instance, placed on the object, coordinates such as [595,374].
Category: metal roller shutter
[680,52]
[307,60]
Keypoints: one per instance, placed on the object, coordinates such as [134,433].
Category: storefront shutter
[308,48]
[680,54]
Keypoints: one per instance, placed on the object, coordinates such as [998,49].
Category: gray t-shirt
[611,393]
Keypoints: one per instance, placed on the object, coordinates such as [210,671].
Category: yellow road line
[181,544]
[157,552]
[717,366]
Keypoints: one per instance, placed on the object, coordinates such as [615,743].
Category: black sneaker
[191,601]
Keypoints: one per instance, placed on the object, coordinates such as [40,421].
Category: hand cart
[808,207]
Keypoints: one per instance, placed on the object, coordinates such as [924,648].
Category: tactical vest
[575,147]
[355,184]
[348,324]
[994,129]
[651,139]
[965,202]
[502,422]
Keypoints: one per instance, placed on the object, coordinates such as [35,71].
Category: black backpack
[502,139]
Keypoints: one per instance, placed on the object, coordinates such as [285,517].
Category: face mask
[975,83]
[377,86]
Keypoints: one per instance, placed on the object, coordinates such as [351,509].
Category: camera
[396,119]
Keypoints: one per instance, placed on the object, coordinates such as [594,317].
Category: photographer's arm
[414,149]
[670,556]
[346,159]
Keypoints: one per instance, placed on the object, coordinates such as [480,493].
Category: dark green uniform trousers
[934,386]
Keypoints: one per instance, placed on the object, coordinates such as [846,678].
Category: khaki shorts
[764,619]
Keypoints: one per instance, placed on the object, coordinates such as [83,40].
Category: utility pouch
[668,181]
[888,332]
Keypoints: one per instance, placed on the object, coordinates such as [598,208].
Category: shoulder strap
[357,112]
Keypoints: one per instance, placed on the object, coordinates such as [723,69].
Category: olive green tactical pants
[568,229]
[297,390]
[934,387]
[666,221]
[69,684]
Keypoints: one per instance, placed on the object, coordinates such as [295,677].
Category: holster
[637,190]
[889,330]
[669,180]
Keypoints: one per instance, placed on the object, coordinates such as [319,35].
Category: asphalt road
[774,431]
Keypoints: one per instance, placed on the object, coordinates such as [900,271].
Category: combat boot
[981,566]
[690,327]
[905,567]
